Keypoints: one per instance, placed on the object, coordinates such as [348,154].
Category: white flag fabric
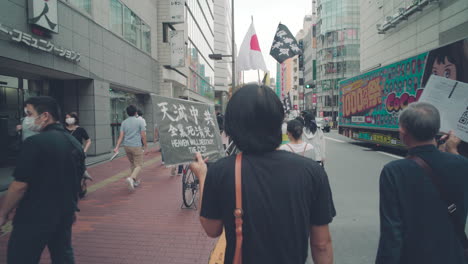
[250,56]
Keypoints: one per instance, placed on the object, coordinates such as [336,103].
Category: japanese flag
[250,56]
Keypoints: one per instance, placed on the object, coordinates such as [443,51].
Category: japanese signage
[177,48]
[451,99]
[380,95]
[43,13]
[377,97]
[187,127]
[176,11]
[384,139]
[40,44]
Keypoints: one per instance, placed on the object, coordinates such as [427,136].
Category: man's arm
[119,141]
[143,138]
[391,224]
[212,227]
[14,195]
[321,245]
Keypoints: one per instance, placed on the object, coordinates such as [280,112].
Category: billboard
[378,96]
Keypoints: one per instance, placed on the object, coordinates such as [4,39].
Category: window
[116,17]
[145,37]
[84,5]
[125,22]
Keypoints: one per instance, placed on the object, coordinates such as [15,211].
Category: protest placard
[186,127]
[450,97]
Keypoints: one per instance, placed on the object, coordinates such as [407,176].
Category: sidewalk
[6,178]
[144,226]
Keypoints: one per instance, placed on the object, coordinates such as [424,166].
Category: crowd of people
[273,201]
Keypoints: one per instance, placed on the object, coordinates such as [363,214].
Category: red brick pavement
[145,226]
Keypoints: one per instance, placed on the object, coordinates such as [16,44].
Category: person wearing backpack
[296,145]
[46,188]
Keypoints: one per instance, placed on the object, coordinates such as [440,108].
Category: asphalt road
[353,169]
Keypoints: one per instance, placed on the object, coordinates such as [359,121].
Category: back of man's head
[43,104]
[131,110]
[421,121]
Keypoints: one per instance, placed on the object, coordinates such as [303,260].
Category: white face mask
[70,121]
[30,123]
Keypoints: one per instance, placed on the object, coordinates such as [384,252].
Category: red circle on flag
[254,43]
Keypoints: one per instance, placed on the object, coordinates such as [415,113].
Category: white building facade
[434,24]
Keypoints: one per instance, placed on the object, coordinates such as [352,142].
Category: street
[149,226]
[354,170]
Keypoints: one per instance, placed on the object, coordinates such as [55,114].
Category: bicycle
[190,183]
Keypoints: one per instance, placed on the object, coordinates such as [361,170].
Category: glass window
[85,5]
[116,17]
[131,26]
[145,37]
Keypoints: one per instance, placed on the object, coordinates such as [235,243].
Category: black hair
[140,113]
[44,104]
[453,53]
[253,119]
[295,127]
[74,115]
[309,123]
[131,110]
[300,119]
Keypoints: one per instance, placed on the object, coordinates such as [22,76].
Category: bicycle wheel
[189,187]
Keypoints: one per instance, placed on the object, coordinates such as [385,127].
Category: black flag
[284,45]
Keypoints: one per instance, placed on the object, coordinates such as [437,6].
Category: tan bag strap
[292,150]
[238,212]
[305,147]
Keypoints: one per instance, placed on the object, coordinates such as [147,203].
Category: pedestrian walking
[314,136]
[285,198]
[296,145]
[24,128]
[46,188]
[423,206]
[133,139]
[140,117]
[73,127]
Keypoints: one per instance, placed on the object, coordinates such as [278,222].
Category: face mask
[30,123]
[70,120]
[25,111]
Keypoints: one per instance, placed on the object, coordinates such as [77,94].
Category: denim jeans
[27,241]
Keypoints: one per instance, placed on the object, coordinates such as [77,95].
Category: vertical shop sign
[177,48]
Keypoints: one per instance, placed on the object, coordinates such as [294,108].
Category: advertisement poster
[186,127]
[379,96]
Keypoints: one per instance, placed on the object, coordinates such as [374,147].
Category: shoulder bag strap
[305,147]
[238,212]
[292,150]
[451,207]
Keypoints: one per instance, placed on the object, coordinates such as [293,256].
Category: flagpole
[259,81]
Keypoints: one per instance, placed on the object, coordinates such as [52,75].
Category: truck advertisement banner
[373,100]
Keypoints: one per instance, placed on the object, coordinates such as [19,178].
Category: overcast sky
[267,14]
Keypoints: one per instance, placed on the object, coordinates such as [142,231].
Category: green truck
[371,102]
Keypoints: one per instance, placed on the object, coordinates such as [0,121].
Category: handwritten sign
[186,127]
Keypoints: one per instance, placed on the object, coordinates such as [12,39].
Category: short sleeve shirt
[132,128]
[283,194]
[79,133]
[45,164]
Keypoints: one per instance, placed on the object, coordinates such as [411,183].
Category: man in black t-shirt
[45,190]
[286,198]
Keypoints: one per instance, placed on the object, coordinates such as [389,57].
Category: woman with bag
[269,202]
[73,127]
[314,136]
[296,145]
